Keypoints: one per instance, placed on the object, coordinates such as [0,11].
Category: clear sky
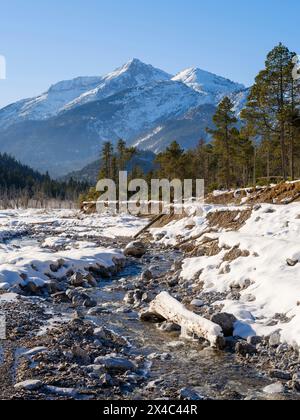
[51,40]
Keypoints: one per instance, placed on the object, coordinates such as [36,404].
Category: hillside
[18,180]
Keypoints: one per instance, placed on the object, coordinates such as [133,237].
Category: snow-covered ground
[267,279]
[62,243]
[66,222]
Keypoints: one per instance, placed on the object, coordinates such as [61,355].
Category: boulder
[135,249]
[273,389]
[226,322]
[30,385]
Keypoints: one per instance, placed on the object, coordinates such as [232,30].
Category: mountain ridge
[62,130]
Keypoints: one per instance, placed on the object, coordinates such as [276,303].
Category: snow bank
[27,261]
[267,280]
[33,264]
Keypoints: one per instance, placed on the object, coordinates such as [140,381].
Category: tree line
[18,181]
[261,144]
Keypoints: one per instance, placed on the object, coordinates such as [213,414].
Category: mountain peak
[208,83]
[137,68]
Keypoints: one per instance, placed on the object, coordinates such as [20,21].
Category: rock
[103,333]
[169,327]
[189,394]
[296,381]
[34,351]
[63,392]
[147,316]
[197,303]
[279,374]
[135,249]
[255,340]
[96,311]
[129,298]
[77,280]
[5,286]
[148,297]
[32,288]
[90,279]
[162,357]
[115,364]
[273,389]
[80,299]
[291,263]
[173,282]
[106,380]
[90,303]
[226,322]
[146,275]
[243,349]
[275,339]
[30,385]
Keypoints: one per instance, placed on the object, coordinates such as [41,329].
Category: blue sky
[50,40]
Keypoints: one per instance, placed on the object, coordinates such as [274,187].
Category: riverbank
[86,341]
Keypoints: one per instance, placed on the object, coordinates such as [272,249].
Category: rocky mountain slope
[63,129]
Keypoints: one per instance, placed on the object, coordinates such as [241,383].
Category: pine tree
[107,161]
[271,101]
[225,140]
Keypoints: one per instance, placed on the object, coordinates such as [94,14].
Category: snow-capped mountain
[62,130]
[47,104]
[71,93]
[213,88]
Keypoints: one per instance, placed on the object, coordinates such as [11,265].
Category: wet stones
[77,280]
[29,385]
[244,349]
[169,327]
[104,334]
[79,298]
[148,316]
[115,364]
[135,249]
[83,280]
[226,322]
[279,374]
